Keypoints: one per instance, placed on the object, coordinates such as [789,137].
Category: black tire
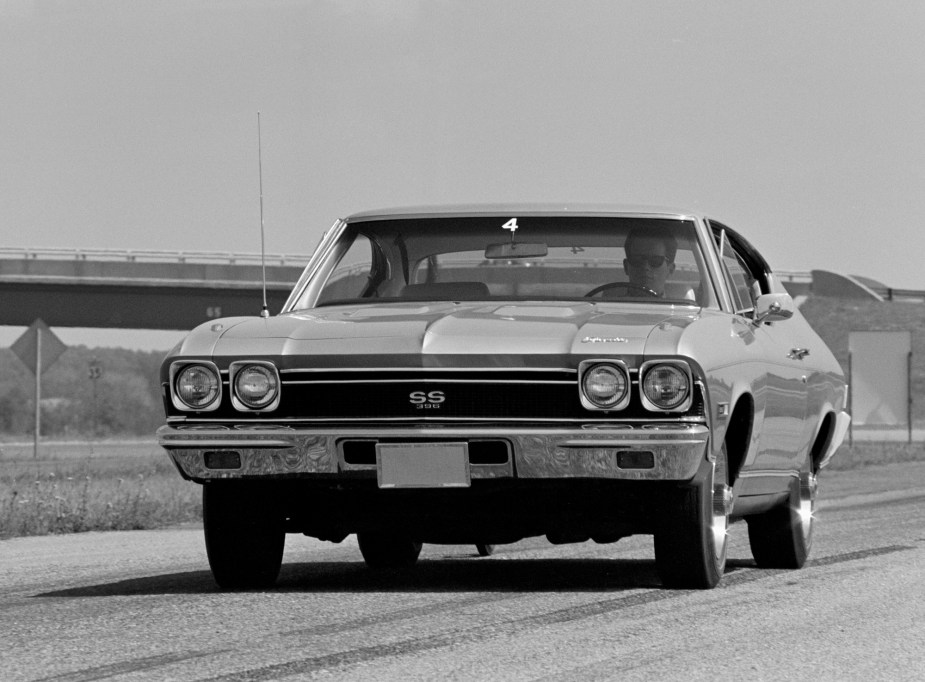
[485,550]
[244,538]
[388,550]
[690,545]
[783,537]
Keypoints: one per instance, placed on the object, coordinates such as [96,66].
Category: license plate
[422,465]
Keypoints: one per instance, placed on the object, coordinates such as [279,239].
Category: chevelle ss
[483,374]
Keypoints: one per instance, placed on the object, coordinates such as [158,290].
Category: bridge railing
[132,256]
[908,295]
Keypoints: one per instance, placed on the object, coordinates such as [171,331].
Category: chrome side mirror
[773,308]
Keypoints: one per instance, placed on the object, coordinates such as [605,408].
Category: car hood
[448,329]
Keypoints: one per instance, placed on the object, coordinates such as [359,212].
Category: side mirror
[773,308]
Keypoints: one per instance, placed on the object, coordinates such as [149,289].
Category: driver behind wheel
[649,261]
[650,258]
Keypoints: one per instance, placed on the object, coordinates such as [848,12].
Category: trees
[124,400]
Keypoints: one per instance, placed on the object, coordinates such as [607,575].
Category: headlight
[666,386]
[604,385]
[196,386]
[255,385]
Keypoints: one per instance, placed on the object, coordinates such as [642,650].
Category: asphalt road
[142,605]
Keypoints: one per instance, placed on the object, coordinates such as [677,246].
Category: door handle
[798,353]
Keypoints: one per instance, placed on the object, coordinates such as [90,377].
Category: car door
[780,389]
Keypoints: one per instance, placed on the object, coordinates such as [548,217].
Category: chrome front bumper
[536,453]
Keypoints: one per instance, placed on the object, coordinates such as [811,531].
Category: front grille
[439,395]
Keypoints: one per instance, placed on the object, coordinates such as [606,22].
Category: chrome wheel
[722,507]
[783,537]
[809,486]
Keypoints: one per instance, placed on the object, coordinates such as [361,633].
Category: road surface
[142,606]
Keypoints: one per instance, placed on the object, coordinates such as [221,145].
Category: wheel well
[821,444]
[738,434]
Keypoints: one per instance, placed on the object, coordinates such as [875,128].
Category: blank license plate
[422,465]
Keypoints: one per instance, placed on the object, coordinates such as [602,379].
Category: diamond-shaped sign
[38,337]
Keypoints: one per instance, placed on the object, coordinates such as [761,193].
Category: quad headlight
[604,385]
[666,385]
[255,385]
[195,386]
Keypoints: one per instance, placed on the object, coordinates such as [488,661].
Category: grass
[78,487]
[862,454]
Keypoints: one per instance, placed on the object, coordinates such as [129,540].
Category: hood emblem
[605,339]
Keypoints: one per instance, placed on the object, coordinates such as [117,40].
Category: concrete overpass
[174,290]
[137,289]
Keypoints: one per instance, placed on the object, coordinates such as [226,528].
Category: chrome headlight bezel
[681,369]
[267,369]
[176,373]
[585,370]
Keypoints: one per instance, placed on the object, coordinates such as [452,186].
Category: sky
[133,125]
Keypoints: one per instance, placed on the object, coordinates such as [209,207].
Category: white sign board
[879,381]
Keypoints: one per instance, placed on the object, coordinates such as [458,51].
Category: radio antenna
[264,312]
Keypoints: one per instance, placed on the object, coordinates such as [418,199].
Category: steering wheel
[626,285]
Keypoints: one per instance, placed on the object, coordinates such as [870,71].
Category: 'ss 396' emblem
[426,400]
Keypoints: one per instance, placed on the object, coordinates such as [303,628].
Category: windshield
[523,258]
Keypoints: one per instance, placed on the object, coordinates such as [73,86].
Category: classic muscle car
[479,375]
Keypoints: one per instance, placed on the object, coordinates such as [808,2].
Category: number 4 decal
[510,225]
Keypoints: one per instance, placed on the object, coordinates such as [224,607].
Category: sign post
[38,348]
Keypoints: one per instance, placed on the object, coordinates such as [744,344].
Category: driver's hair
[666,234]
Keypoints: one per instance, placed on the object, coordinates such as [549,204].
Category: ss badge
[426,401]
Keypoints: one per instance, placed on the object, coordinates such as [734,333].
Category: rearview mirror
[516,250]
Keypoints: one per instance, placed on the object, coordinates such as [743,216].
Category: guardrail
[132,256]
[908,295]
[794,276]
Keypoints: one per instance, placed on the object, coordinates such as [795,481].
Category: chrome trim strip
[631,443]
[192,442]
[320,255]
[421,420]
[427,381]
[377,370]
[764,473]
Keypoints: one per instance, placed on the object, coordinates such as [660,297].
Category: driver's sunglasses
[653,261]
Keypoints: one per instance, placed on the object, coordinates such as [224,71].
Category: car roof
[521,209]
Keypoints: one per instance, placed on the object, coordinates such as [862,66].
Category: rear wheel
[783,537]
[388,550]
[244,538]
[690,545]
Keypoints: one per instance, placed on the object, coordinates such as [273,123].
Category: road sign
[51,347]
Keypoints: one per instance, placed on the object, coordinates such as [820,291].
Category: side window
[743,283]
[351,276]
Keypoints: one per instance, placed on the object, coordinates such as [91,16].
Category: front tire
[383,550]
[783,537]
[244,538]
[690,545]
